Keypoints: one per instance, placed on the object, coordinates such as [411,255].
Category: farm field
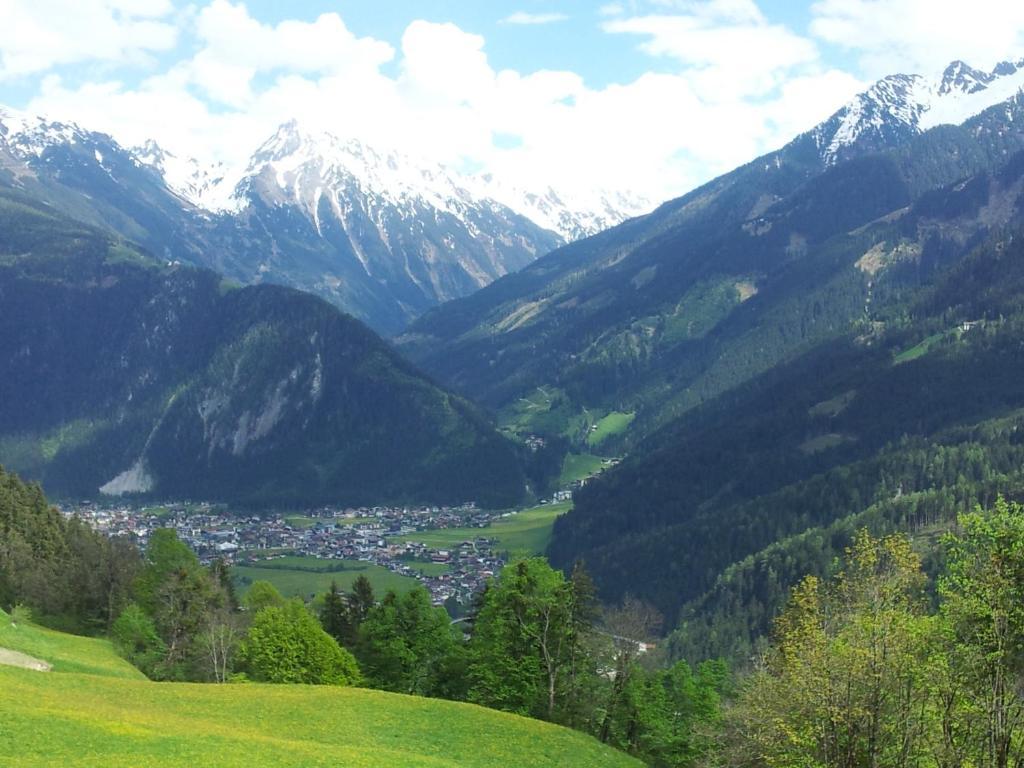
[613,424]
[305,576]
[526,532]
[579,467]
[106,719]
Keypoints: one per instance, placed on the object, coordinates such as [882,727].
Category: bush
[20,614]
[286,644]
[135,637]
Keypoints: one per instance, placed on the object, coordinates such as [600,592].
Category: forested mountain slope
[122,375]
[900,425]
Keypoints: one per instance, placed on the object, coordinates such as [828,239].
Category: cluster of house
[377,535]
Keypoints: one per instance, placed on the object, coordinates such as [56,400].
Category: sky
[651,97]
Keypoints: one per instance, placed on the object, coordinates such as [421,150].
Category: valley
[370,398]
[451,552]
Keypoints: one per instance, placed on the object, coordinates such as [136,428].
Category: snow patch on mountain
[29,135]
[904,105]
[573,216]
[210,187]
[967,95]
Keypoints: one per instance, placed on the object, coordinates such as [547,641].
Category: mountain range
[381,235]
[656,315]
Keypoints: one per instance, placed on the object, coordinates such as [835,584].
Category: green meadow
[66,653]
[95,710]
[305,576]
[579,467]
[615,423]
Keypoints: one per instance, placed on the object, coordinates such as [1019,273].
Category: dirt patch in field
[10,658]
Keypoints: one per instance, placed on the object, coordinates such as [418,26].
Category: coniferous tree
[405,644]
[334,616]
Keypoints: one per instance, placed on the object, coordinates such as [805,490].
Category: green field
[297,521]
[918,350]
[104,719]
[579,467]
[428,569]
[526,532]
[614,423]
[305,576]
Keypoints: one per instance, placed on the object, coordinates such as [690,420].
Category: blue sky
[652,96]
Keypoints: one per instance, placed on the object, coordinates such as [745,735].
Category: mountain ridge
[123,374]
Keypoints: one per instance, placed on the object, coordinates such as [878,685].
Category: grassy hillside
[66,653]
[88,712]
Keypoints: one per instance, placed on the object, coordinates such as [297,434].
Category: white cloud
[611,9]
[37,35]
[439,96]
[229,33]
[726,46]
[921,36]
[533,19]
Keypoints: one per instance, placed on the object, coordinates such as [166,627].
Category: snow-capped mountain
[26,135]
[900,106]
[367,228]
[305,161]
[380,236]
[385,236]
[296,166]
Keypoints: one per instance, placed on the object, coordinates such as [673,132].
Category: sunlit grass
[107,718]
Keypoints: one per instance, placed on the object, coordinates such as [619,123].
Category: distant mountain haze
[377,233]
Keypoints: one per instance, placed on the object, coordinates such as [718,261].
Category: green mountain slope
[91,710]
[122,374]
[784,321]
[755,268]
[929,406]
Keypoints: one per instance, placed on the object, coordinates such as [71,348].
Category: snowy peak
[900,106]
[960,77]
[29,135]
[572,217]
[304,165]
[207,187]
